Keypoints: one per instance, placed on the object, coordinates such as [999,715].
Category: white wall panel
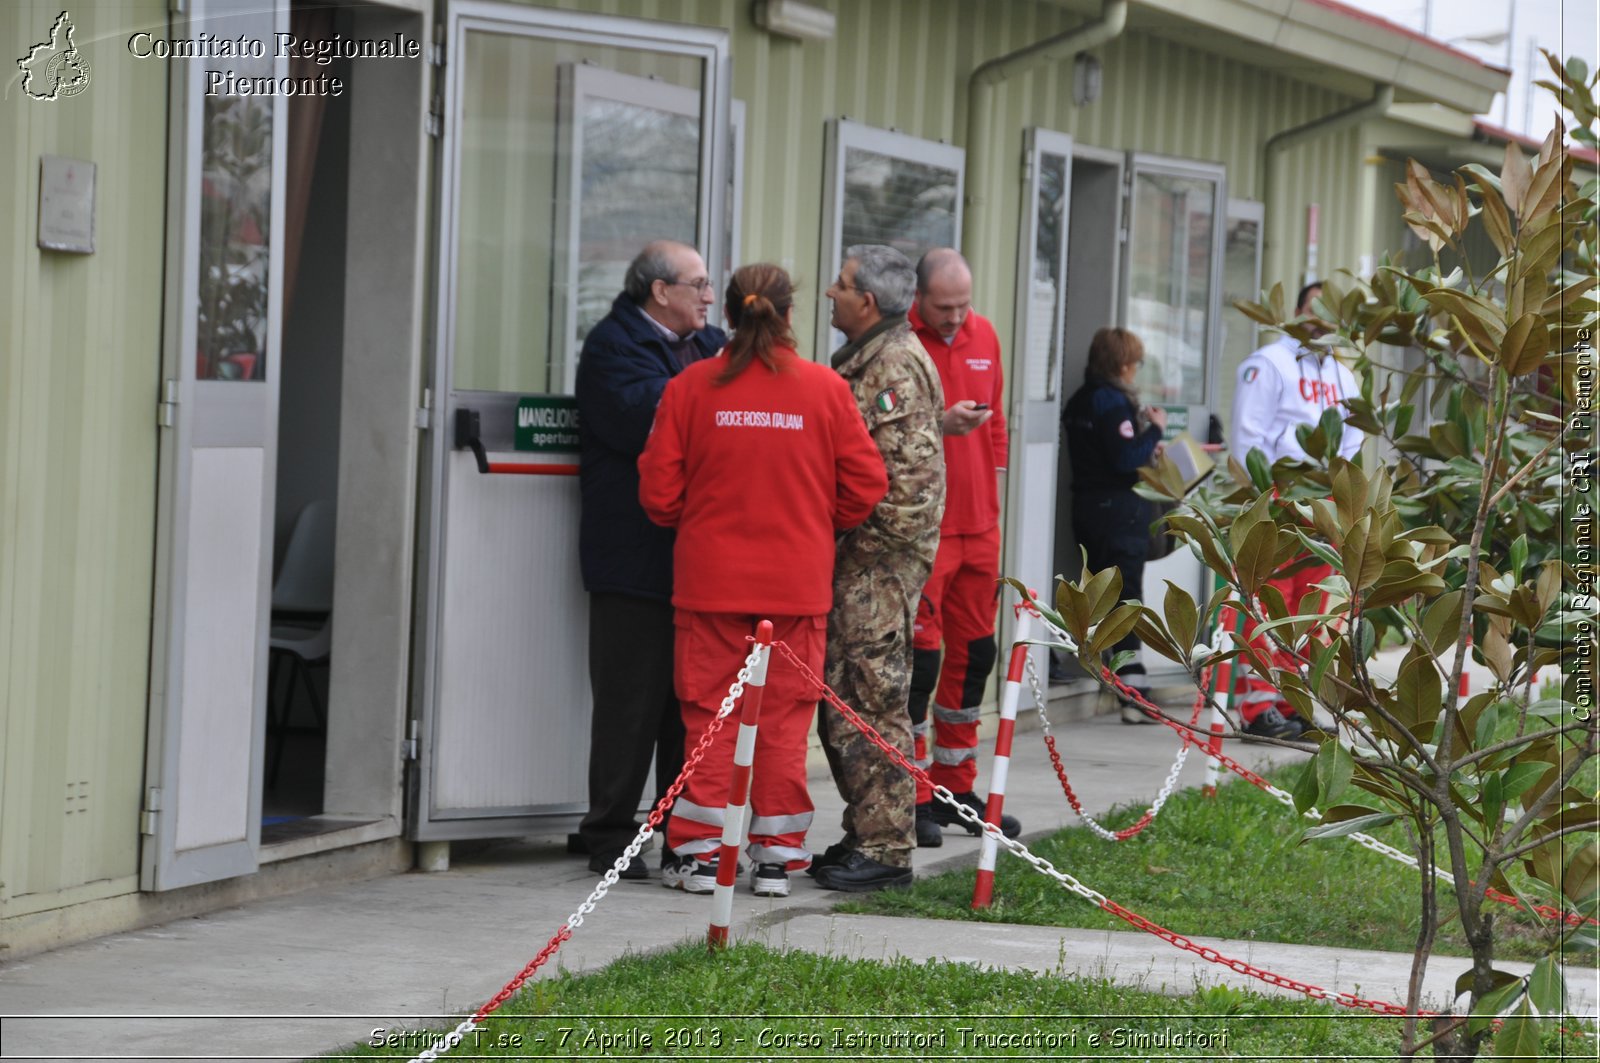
[219,618]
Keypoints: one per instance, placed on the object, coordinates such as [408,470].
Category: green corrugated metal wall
[79,361]
[1158,97]
[80,336]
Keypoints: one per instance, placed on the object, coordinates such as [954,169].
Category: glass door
[569,142]
[1040,337]
[219,426]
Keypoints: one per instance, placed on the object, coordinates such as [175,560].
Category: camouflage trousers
[869,667]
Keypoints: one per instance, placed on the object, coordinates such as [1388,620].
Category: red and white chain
[1367,841]
[1089,821]
[575,920]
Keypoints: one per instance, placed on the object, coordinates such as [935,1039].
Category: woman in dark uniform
[1109,436]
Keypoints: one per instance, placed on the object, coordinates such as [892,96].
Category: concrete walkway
[305,974]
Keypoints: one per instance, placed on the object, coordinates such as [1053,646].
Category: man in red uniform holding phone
[958,603]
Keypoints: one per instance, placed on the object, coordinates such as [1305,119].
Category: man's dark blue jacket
[624,368]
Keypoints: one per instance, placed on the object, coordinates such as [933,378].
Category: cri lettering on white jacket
[1282,386]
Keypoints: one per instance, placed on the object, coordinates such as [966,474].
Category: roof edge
[1334,35]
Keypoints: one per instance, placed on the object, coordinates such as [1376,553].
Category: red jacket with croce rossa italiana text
[758,475]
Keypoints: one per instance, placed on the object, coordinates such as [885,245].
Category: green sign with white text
[547,424]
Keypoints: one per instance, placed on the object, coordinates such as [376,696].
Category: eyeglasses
[840,286]
[699,284]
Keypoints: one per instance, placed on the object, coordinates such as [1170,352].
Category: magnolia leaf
[1515,177]
[1113,628]
[1496,1000]
[1355,825]
[1519,1037]
[1419,690]
[1256,558]
[1526,343]
[1546,988]
[1183,619]
[1495,216]
[1582,876]
[1260,471]
[1334,765]
[1441,622]
[1305,792]
[1103,591]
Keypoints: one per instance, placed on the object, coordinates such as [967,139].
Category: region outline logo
[54,68]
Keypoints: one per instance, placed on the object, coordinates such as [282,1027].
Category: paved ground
[304,974]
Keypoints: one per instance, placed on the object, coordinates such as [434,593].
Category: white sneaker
[769,880]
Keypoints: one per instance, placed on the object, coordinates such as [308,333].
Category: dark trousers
[636,719]
[1113,527]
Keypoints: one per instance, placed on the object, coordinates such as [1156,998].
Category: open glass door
[1172,284]
[569,141]
[218,456]
[1041,310]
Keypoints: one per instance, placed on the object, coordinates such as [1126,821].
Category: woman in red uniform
[758,458]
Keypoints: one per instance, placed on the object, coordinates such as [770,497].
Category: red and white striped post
[983,891]
[1223,674]
[1463,686]
[737,813]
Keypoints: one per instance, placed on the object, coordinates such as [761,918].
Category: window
[1241,279]
[1173,262]
[886,188]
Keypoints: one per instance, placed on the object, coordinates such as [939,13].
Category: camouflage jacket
[897,389]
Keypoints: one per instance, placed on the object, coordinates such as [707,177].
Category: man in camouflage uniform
[880,569]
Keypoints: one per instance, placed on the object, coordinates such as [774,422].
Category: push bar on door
[469,437]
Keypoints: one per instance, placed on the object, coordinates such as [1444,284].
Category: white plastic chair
[302,619]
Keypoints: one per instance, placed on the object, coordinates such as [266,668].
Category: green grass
[1230,866]
[751,1002]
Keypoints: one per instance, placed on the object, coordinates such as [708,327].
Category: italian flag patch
[887,400]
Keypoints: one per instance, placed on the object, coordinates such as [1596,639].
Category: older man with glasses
[880,568]
[656,327]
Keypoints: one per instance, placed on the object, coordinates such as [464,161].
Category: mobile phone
[980,406]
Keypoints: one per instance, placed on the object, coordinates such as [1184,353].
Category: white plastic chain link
[1167,788]
[1364,840]
[1018,849]
[609,879]
[735,692]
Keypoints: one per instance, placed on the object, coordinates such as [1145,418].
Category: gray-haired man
[880,569]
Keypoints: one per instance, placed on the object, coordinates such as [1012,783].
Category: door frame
[216,416]
[1035,421]
[708,44]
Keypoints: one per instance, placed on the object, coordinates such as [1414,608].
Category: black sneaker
[769,880]
[833,854]
[946,816]
[1272,723]
[602,862]
[688,874]
[929,834]
[859,873]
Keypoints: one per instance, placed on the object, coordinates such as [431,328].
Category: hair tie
[750,299]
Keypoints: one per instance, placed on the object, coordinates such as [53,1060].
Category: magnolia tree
[1470,534]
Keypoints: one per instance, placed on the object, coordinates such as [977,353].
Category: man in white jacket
[1280,387]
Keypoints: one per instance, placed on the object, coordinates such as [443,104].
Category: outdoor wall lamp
[790,18]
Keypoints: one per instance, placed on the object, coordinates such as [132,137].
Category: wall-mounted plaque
[66,204]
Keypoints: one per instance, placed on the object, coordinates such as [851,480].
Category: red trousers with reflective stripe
[710,649]
[1258,693]
[957,609]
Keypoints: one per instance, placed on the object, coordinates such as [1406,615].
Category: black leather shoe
[859,873]
[832,855]
[929,834]
[946,816]
[601,862]
[1274,723]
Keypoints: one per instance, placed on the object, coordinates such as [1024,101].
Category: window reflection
[1169,293]
[235,219]
[911,206]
